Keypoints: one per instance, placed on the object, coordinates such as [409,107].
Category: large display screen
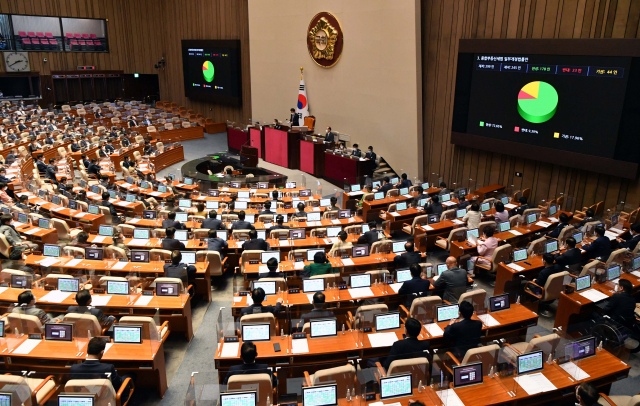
[565,109]
[212,71]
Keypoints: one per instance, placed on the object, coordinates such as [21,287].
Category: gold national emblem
[324,39]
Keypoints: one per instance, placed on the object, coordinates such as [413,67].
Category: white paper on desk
[456,221]
[249,300]
[355,193]
[450,398]
[408,196]
[100,300]
[74,262]
[435,278]
[58,209]
[120,265]
[331,240]
[283,243]
[488,320]
[543,224]
[396,286]
[125,185]
[299,346]
[79,214]
[535,383]
[434,329]
[263,268]
[55,296]
[99,238]
[48,261]
[180,185]
[336,221]
[3,289]
[510,206]
[201,197]
[611,236]
[515,232]
[449,203]
[298,265]
[347,262]
[124,204]
[134,221]
[636,273]
[360,292]
[27,346]
[428,228]
[32,231]
[382,339]
[310,297]
[575,371]
[314,223]
[394,213]
[594,295]
[143,300]
[155,193]
[138,241]
[224,189]
[237,299]
[515,267]
[230,350]
[106,348]
[553,219]
[352,220]
[316,209]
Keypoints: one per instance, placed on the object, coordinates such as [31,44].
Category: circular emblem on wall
[324,39]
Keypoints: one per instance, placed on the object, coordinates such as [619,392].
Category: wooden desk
[169,157]
[72,217]
[118,158]
[236,138]
[176,135]
[397,219]
[484,191]
[337,168]
[37,234]
[312,157]
[282,147]
[261,226]
[371,209]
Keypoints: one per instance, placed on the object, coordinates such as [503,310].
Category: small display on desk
[333,231]
[73,205]
[440,269]
[433,218]
[323,327]
[58,332]
[504,226]
[44,223]
[344,214]
[460,213]
[355,188]
[256,332]
[213,204]
[297,234]
[636,263]
[181,235]
[141,233]
[240,205]
[112,195]
[551,246]
[106,231]
[130,198]
[262,234]
[520,255]
[462,192]
[263,185]
[313,216]
[359,251]
[222,234]
[267,255]
[485,207]
[469,374]
[472,235]
[96,254]
[117,287]
[140,256]
[145,185]
[269,287]
[305,193]
[96,189]
[55,199]
[378,196]
[325,202]
[238,399]
[93,209]
[395,386]
[499,302]
[530,362]
[583,283]
[74,400]
[312,253]
[553,210]
[184,217]
[401,206]
[188,257]
[244,194]
[83,184]
[365,229]
[532,218]
[188,181]
[325,395]
[184,203]
[404,191]
[22,218]
[290,185]
[580,349]
[68,284]
[387,321]
[167,289]
[403,275]
[398,246]
[504,199]
[51,250]
[162,189]
[429,271]
[446,313]
[445,197]
[313,285]
[127,334]
[149,214]
[425,186]
[6,399]
[613,220]
[613,273]
[395,180]
[6,210]
[214,193]
[362,280]
[21,281]
[129,180]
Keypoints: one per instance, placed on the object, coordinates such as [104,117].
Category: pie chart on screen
[207,71]
[537,102]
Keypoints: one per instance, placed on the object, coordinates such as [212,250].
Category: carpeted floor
[184,359]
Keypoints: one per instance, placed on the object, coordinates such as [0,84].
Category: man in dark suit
[329,137]
[254,242]
[22,126]
[549,269]
[40,165]
[177,269]
[443,189]
[523,206]
[590,216]
[571,256]
[241,224]
[409,257]
[295,119]
[171,243]
[453,281]
[98,114]
[600,248]
[83,298]
[248,353]
[370,155]
[75,147]
[279,224]
[621,306]
[94,168]
[356,151]
[171,222]
[92,368]
[416,286]
[212,223]
[370,236]
[49,140]
[386,185]
[463,334]
[50,172]
[410,347]
[214,243]
[257,296]
[633,239]
[112,209]
[421,195]
[132,122]
[435,207]
[124,141]
[564,222]
[404,182]
[267,208]
[318,311]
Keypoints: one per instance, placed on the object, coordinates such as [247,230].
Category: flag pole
[301,73]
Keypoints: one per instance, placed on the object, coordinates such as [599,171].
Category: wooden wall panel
[445,22]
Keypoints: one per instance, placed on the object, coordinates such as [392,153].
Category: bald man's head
[451,262]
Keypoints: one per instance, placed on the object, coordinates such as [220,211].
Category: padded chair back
[487,355]
[322,232]
[617,257]
[367,313]
[448,215]
[330,278]
[536,246]
[295,254]
[156,254]
[106,213]
[62,228]
[546,343]
[485,224]
[553,286]
[72,251]
[85,325]
[531,211]
[500,254]
[513,220]
[566,233]
[260,318]
[417,367]
[19,388]
[344,377]
[150,330]
[5,247]
[258,382]
[114,252]
[381,246]
[25,323]
[423,308]
[169,280]
[103,390]
[277,234]
[214,260]
[476,297]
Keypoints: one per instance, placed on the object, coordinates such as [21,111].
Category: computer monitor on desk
[323,327]
[324,395]
[395,386]
[530,362]
[269,287]
[448,312]
[73,400]
[141,233]
[387,321]
[238,399]
[313,285]
[256,332]
[470,374]
[127,334]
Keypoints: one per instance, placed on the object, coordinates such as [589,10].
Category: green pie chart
[537,102]
[207,71]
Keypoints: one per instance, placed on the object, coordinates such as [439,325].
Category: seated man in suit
[329,137]
[435,207]
[571,256]
[443,189]
[279,224]
[356,151]
[386,185]
[272,270]
[171,222]
[590,216]
[258,295]
[334,204]
[622,305]
[300,214]
[370,236]
[94,168]
[83,299]
[523,206]
[463,333]
[98,113]
[171,243]
[267,208]
[27,305]
[147,120]
[632,241]
[40,165]
[409,257]
[92,368]
[241,224]
[254,242]
[453,281]
[421,195]
[177,269]
[318,311]
[75,147]
[319,266]
[132,122]
[600,248]
[50,172]
[549,269]
[410,347]
[414,287]
[564,222]
[214,243]
[404,182]
[212,223]
[248,353]
[112,209]
[370,155]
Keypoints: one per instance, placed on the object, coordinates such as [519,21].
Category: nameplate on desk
[37,252]
[49,288]
[98,291]
[123,260]
[296,336]
[4,285]
[167,261]
[147,292]
[344,256]
[231,339]
[253,262]
[243,293]
[299,259]
[35,336]
[342,286]
[367,329]
[294,290]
